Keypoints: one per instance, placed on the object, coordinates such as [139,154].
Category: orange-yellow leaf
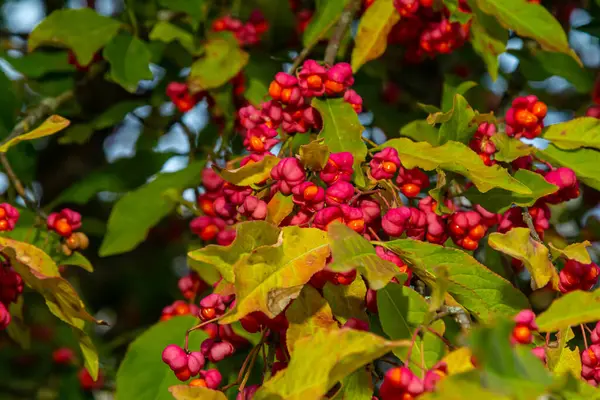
[53,124]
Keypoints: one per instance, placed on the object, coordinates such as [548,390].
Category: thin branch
[340,30]
[529,221]
[34,117]
[300,57]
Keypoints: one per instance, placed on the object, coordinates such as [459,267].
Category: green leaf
[307,315]
[421,131]
[569,362]
[166,32]
[18,330]
[222,60]
[554,354]
[321,361]
[460,126]
[77,259]
[575,251]
[574,134]
[9,108]
[352,251]
[115,114]
[129,223]
[458,387]
[453,86]
[278,208]
[509,149]
[582,161]
[347,301]
[357,386]
[572,309]
[194,8]
[529,20]
[327,14]
[184,392]
[456,15]
[538,65]
[518,244]
[82,30]
[342,131]
[488,39]
[129,60]
[271,276]
[478,289]
[142,375]
[499,200]
[53,124]
[76,134]
[456,157]
[40,63]
[253,172]
[40,273]
[314,155]
[250,235]
[373,29]
[259,73]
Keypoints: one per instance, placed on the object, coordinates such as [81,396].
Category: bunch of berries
[402,383]
[426,32]
[65,223]
[247,34]
[526,117]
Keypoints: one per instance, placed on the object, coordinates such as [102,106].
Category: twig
[46,107]
[195,328]
[340,30]
[584,336]
[300,57]
[529,221]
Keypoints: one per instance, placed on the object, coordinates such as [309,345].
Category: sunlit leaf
[459,360]
[253,172]
[250,235]
[456,157]
[574,308]
[307,315]
[53,124]
[478,289]
[519,244]
[323,360]
[373,29]
[509,149]
[314,155]
[351,251]
[357,386]
[575,251]
[278,208]
[271,276]
[576,133]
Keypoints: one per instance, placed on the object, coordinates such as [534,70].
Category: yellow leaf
[459,361]
[518,244]
[575,251]
[569,361]
[184,392]
[371,38]
[53,124]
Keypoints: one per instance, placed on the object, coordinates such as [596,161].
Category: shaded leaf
[574,308]
[460,126]
[194,8]
[327,14]
[82,30]
[582,161]
[373,29]
[575,251]
[129,223]
[250,235]
[129,60]
[326,358]
[342,131]
[352,251]
[166,32]
[529,20]
[39,63]
[347,301]
[307,315]
[259,73]
[314,155]
[453,86]
[518,244]
[271,276]
[509,149]
[278,208]
[142,375]
[222,60]
[18,330]
[253,172]
[576,133]
[499,200]
[357,386]
[478,289]
[488,39]
[456,157]
[50,126]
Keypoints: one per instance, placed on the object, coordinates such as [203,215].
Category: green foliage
[347,301]
[572,309]
[166,32]
[575,134]
[326,16]
[142,375]
[129,60]
[342,131]
[83,31]
[455,157]
[129,223]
